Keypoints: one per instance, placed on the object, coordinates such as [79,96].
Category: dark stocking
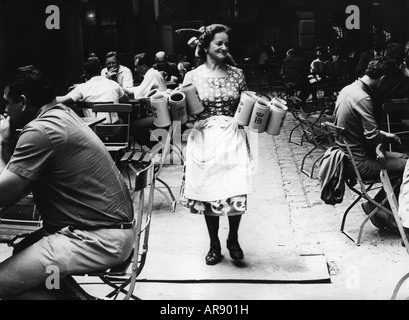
[213,229]
[234,222]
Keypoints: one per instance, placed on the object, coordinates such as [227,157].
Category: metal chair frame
[312,131]
[387,185]
[365,186]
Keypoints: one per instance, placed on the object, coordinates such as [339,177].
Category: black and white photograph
[204,154]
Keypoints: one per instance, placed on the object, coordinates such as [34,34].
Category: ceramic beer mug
[245,108]
[151,93]
[177,107]
[194,105]
[160,110]
[259,116]
[277,116]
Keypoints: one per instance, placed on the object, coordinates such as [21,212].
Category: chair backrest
[341,136]
[163,145]
[144,177]
[393,113]
[115,132]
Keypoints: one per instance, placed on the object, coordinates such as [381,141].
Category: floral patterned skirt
[228,207]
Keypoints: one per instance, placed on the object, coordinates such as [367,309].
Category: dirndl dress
[218,168]
[218,165]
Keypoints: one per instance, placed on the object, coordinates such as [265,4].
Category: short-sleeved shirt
[219,95]
[124,77]
[354,112]
[151,80]
[73,177]
[97,89]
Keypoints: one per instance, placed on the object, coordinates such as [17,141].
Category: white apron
[218,161]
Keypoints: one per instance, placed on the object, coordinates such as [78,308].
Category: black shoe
[214,256]
[376,220]
[235,251]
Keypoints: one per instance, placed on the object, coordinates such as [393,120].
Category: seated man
[168,69]
[117,72]
[354,112]
[317,66]
[152,78]
[376,51]
[83,200]
[96,89]
[295,70]
[394,86]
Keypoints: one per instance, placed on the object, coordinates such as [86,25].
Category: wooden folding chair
[310,118]
[115,133]
[160,155]
[365,186]
[122,278]
[387,185]
[390,194]
[256,79]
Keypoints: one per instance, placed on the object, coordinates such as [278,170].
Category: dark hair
[33,84]
[145,58]
[112,54]
[207,36]
[396,52]
[92,67]
[381,66]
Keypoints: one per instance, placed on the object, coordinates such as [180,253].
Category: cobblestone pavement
[286,216]
[369,271]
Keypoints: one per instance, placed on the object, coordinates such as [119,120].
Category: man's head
[26,92]
[112,60]
[396,52]
[92,68]
[320,51]
[143,62]
[161,58]
[378,68]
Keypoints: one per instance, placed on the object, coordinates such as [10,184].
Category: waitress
[218,160]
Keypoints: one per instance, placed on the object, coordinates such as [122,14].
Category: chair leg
[173,201]
[344,217]
[291,134]
[74,287]
[118,288]
[374,211]
[398,286]
[303,161]
[314,164]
